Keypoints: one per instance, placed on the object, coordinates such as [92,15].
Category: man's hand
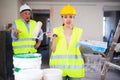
[36,46]
[16,32]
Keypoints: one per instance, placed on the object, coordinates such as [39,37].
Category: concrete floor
[112,74]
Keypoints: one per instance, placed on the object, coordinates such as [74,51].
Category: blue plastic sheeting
[96,46]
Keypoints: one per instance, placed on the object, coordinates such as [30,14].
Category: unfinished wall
[89,17]
[8,11]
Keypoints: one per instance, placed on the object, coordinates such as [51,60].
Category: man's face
[25,15]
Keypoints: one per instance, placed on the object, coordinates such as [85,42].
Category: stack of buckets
[27,66]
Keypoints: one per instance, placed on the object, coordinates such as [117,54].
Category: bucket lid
[36,55]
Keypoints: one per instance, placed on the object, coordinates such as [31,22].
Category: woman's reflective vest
[25,42]
[69,58]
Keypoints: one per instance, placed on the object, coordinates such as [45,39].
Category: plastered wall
[8,11]
[89,16]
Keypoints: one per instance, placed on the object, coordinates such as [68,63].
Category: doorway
[44,17]
[110,23]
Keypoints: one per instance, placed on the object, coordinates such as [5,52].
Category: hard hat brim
[25,10]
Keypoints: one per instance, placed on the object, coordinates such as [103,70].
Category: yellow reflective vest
[68,59]
[25,42]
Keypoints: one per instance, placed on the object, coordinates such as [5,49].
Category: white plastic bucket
[29,74]
[28,61]
[52,74]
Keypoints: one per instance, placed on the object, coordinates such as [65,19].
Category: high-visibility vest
[68,59]
[25,42]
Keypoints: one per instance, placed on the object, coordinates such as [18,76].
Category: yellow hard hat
[68,9]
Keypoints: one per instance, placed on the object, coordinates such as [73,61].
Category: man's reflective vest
[68,58]
[25,42]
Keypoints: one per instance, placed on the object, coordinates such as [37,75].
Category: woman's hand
[49,34]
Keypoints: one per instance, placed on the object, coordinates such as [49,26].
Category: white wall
[8,11]
[89,15]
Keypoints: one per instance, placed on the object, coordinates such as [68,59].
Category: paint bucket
[52,74]
[29,74]
[27,61]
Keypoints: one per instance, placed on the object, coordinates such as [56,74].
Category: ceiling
[70,0]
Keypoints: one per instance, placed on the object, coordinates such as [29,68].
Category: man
[22,31]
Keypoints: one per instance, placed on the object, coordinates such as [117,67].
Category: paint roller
[37,29]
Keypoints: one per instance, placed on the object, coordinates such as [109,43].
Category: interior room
[99,19]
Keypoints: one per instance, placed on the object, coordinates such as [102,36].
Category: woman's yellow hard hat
[68,9]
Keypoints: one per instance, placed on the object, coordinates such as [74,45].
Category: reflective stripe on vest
[68,66]
[65,66]
[25,42]
[68,58]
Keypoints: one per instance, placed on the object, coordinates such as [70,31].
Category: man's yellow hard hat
[68,9]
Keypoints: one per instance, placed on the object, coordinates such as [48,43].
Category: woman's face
[25,15]
[68,20]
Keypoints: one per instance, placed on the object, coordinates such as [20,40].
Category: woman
[65,55]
